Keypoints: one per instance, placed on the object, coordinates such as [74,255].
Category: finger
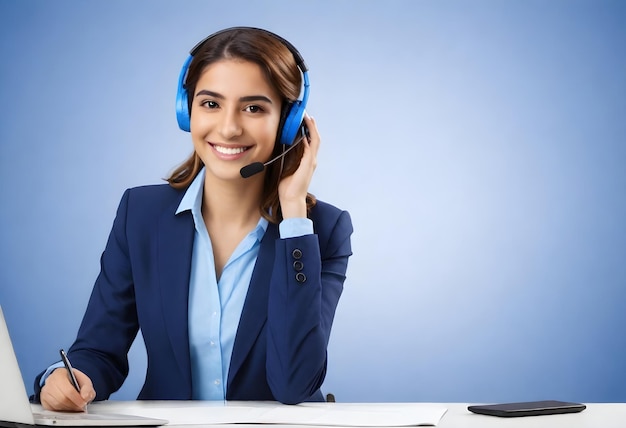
[314,136]
[87,391]
[312,143]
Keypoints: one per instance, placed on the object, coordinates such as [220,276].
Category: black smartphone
[528,408]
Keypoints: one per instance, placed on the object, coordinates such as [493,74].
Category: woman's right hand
[59,394]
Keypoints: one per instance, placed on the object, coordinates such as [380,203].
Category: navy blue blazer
[280,346]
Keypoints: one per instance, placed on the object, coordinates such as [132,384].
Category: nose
[230,126]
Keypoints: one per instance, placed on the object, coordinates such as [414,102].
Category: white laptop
[16,410]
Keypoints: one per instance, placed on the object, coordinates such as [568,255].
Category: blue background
[480,147]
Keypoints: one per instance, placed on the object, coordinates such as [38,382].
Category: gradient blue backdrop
[479,145]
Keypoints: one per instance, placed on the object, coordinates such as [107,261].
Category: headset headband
[296,55]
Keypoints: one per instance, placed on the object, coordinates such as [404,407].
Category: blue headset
[292,118]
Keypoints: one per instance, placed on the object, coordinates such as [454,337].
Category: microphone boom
[256,167]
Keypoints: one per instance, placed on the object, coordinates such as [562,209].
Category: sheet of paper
[211,415]
[335,414]
[362,415]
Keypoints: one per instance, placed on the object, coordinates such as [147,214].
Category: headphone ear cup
[292,124]
[182,111]
[182,105]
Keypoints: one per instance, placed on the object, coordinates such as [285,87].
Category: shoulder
[329,219]
[155,194]
[150,199]
[323,211]
[158,191]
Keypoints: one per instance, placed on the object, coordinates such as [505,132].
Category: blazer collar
[254,314]
[174,247]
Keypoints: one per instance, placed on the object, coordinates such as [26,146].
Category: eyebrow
[243,99]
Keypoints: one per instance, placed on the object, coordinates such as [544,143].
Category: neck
[232,203]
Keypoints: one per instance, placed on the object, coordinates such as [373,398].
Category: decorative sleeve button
[298,265]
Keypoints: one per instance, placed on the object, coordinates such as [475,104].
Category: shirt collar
[192,200]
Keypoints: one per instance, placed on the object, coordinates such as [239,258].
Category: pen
[70,370]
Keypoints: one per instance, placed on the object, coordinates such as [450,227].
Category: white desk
[594,416]
[604,415]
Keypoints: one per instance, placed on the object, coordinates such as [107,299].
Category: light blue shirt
[215,306]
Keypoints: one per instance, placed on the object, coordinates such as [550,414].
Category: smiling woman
[269,64]
[233,291]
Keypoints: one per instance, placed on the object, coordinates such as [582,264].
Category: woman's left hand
[292,190]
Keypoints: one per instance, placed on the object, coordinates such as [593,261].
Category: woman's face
[234,117]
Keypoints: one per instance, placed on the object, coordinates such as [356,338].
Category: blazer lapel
[175,246]
[254,314]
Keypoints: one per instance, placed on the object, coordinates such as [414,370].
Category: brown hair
[279,66]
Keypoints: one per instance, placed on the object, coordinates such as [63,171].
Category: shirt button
[217,381]
[297,253]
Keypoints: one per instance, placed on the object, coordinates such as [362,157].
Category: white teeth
[230,150]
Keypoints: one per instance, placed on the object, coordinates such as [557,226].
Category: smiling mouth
[230,150]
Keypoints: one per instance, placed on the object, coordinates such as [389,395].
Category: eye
[254,109]
[209,104]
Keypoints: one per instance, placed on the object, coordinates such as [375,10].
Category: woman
[233,281]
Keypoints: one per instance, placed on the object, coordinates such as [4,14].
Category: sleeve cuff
[50,369]
[293,227]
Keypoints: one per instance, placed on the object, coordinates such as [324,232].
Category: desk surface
[597,415]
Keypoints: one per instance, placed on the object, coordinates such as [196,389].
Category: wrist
[293,209]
